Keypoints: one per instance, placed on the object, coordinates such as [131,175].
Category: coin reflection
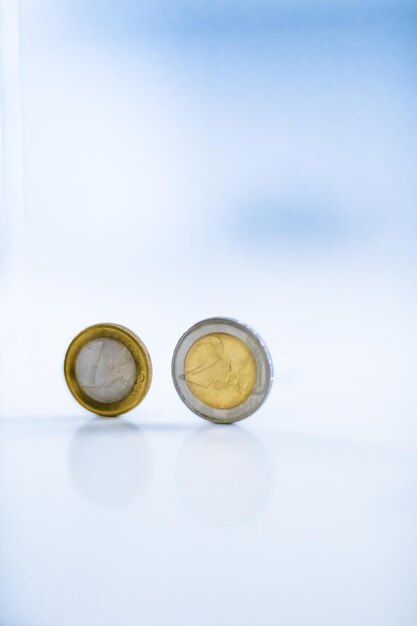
[223,475]
[110,462]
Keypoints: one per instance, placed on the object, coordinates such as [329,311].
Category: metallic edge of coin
[263,364]
[140,356]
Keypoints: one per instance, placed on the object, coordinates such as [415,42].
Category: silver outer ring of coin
[261,355]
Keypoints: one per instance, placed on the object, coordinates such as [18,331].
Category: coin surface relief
[108,369]
[222,370]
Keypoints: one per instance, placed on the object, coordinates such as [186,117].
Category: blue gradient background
[165,162]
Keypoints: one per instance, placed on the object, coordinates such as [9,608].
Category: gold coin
[108,369]
[220,370]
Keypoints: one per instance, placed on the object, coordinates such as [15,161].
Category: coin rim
[263,361]
[139,354]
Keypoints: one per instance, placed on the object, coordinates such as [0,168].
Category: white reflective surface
[116,522]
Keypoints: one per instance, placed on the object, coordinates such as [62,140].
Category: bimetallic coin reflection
[222,370]
[110,462]
[223,475]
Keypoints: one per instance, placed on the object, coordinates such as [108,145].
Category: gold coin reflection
[220,370]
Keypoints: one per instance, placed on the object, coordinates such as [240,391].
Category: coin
[222,370]
[108,369]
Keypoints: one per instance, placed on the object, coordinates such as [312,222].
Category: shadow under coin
[223,475]
[110,461]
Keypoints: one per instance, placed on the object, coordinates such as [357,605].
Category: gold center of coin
[220,370]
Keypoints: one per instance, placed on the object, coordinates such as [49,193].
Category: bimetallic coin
[108,369]
[222,370]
